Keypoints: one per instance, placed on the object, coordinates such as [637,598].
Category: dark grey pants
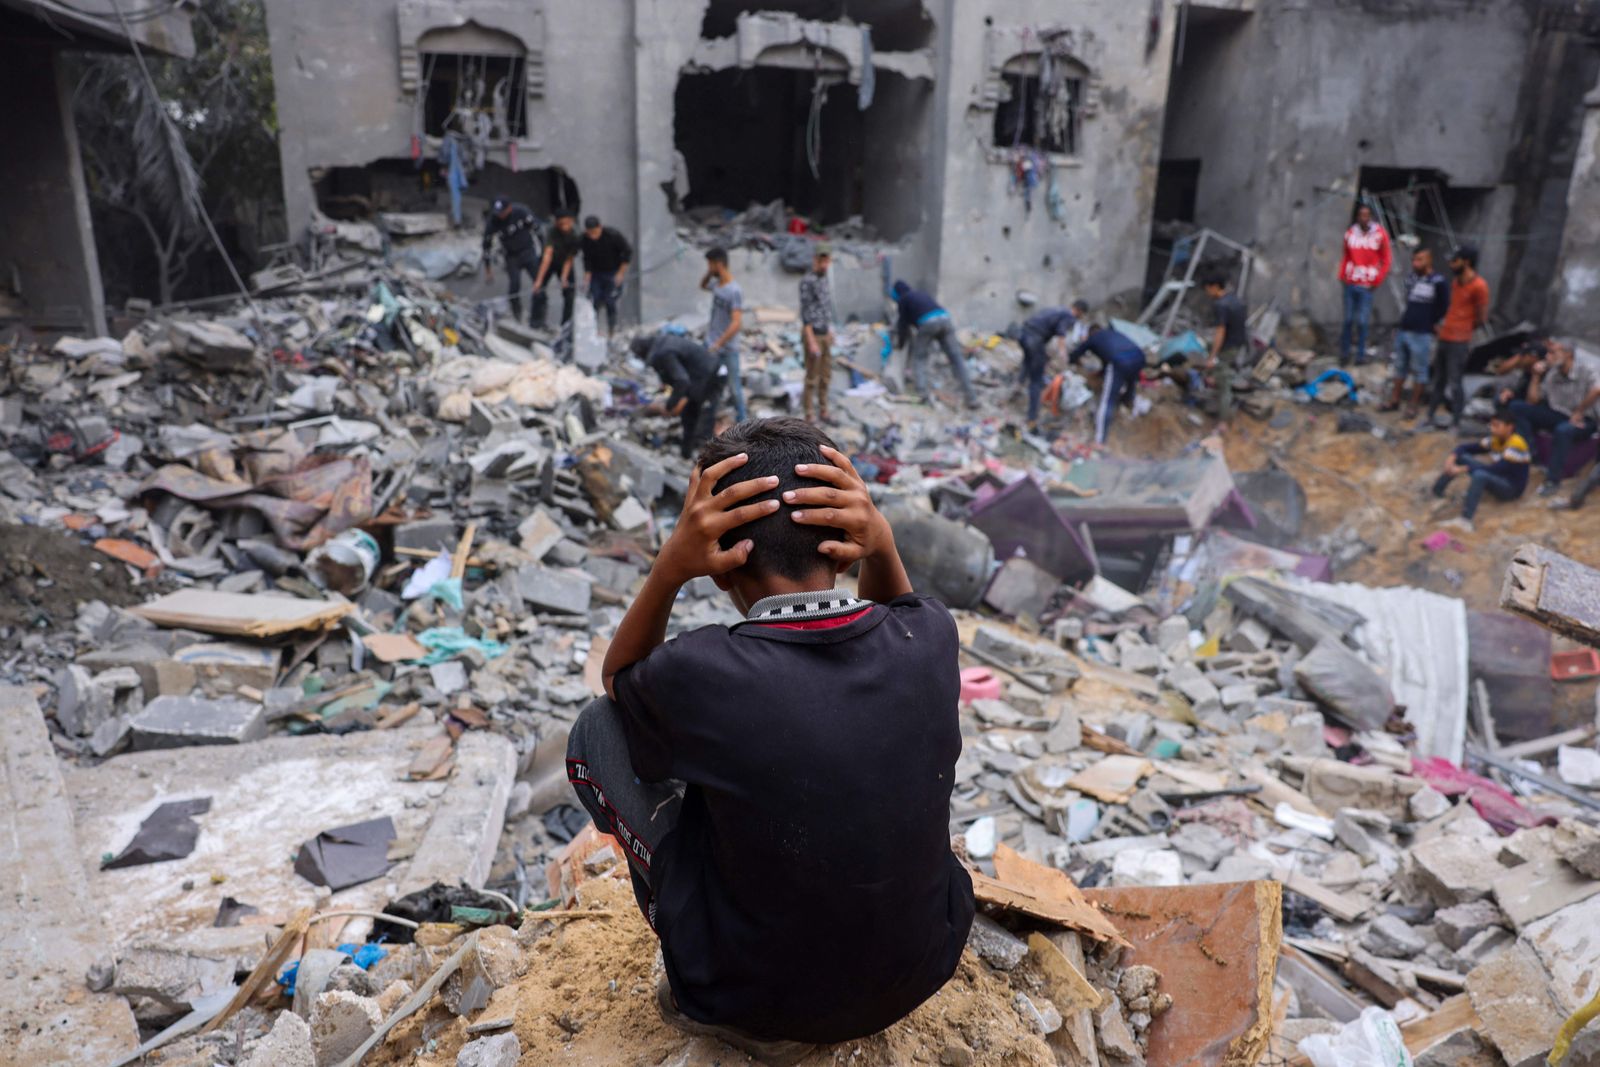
[942,332]
[639,814]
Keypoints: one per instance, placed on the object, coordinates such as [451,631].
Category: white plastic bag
[1372,1039]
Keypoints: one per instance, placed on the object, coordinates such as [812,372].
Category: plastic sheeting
[1419,641]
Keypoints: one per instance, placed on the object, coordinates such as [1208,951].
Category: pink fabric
[1499,808]
[979,683]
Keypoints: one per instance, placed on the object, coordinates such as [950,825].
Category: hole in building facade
[402,185]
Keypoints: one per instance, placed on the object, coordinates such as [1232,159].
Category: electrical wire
[144,15]
[199,203]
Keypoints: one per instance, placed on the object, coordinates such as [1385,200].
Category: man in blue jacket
[1427,299]
[1123,359]
[924,323]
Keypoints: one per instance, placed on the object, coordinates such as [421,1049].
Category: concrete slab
[50,932]
[266,798]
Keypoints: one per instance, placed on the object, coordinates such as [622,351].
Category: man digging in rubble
[782,786]
[696,378]
[518,230]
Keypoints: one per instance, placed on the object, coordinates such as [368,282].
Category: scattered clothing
[816,746]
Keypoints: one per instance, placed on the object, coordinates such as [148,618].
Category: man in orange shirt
[1469,309]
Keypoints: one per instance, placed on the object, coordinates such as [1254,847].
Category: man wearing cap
[816,334]
[606,255]
[1469,309]
[561,245]
[518,230]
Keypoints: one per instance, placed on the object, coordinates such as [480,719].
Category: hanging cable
[199,203]
[819,94]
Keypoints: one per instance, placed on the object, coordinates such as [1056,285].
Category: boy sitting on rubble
[1497,464]
[782,786]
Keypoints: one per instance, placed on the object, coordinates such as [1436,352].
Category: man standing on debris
[1122,359]
[1038,333]
[1427,300]
[1230,341]
[924,323]
[1469,309]
[518,230]
[1561,400]
[1498,465]
[695,378]
[561,246]
[816,334]
[781,787]
[606,255]
[1367,258]
[727,319]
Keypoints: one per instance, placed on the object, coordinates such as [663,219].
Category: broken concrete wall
[46,238]
[343,73]
[991,245]
[1577,290]
[1281,154]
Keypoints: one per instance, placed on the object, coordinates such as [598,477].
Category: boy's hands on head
[693,550]
[844,504]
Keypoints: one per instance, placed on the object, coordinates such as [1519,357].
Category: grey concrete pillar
[1577,289]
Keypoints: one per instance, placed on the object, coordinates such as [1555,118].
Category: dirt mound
[45,574]
[586,995]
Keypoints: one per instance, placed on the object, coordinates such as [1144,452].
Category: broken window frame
[496,110]
[1022,71]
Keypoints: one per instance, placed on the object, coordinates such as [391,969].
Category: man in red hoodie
[1367,257]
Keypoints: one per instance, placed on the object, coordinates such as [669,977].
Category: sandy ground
[587,996]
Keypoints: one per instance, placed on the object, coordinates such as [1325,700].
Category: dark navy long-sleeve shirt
[519,232]
[1113,348]
[914,306]
[1051,322]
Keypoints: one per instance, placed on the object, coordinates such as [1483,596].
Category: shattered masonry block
[173,978]
[1460,923]
[501,1050]
[426,534]
[1453,869]
[1141,659]
[558,592]
[539,533]
[340,1022]
[1250,636]
[1393,938]
[174,722]
[287,1044]
[996,945]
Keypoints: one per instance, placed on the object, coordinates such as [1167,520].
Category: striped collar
[804,607]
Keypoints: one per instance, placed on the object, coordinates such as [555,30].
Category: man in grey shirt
[727,319]
[1561,400]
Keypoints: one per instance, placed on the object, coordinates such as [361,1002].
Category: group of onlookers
[1545,392]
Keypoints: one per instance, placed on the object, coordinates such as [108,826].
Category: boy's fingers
[844,552]
[713,474]
[727,560]
[819,517]
[746,489]
[840,460]
[817,494]
[735,517]
[826,472]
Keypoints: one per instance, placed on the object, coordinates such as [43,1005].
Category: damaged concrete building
[49,270]
[979,148]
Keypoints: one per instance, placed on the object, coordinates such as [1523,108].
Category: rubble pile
[351,556]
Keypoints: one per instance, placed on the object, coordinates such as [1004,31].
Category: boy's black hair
[592,222]
[717,255]
[1503,415]
[783,547]
[1214,279]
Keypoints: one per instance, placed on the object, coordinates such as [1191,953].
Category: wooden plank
[394,648]
[1056,890]
[243,614]
[1317,985]
[266,968]
[1558,593]
[1216,947]
[1453,1015]
[1340,906]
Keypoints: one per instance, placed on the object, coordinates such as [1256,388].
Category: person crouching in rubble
[696,379]
[1498,464]
[1036,337]
[781,787]
[1122,359]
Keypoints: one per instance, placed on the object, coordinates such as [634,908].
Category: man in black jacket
[518,230]
[606,256]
